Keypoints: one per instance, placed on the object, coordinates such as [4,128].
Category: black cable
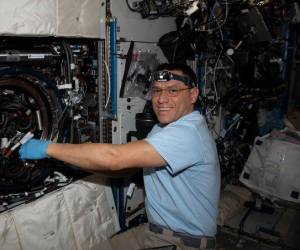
[71,125]
[68,70]
[127,67]
[125,206]
[243,220]
[130,8]
[69,58]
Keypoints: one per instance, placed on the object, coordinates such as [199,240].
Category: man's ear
[194,94]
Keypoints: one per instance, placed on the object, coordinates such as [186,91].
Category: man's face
[170,106]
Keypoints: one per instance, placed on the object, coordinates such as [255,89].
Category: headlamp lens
[161,76]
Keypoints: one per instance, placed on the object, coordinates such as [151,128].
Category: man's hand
[34,150]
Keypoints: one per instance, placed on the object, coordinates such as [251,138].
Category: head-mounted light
[165,76]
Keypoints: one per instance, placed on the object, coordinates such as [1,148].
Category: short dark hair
[185,69]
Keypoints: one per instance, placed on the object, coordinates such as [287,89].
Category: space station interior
[78,72]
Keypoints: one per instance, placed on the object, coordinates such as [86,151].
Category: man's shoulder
[192,120]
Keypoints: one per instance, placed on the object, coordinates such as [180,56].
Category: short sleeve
[179,145]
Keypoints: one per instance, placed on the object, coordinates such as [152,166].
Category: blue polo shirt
[183,196]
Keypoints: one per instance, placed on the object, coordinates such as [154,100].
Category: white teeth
[164,109]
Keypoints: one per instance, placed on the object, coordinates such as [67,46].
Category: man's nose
[163,95]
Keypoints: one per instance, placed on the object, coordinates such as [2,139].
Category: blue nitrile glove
[34,150]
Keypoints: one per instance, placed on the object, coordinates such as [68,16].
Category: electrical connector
[130,190]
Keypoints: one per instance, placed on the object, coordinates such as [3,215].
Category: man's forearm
[87,156]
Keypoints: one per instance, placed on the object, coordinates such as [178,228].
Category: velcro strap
[201,242]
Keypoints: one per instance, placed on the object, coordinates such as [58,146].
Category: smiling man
[168,102]
[180,164]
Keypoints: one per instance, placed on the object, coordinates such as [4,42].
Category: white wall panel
[133,27]
[28,17]
[67,18]
[85,18]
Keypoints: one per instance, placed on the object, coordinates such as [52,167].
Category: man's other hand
[34,150]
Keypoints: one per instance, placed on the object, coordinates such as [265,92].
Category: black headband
[165,76]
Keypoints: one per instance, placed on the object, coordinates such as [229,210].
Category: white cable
[221,33]
[224,21]
[214,76]
[211,110]
[109,87]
